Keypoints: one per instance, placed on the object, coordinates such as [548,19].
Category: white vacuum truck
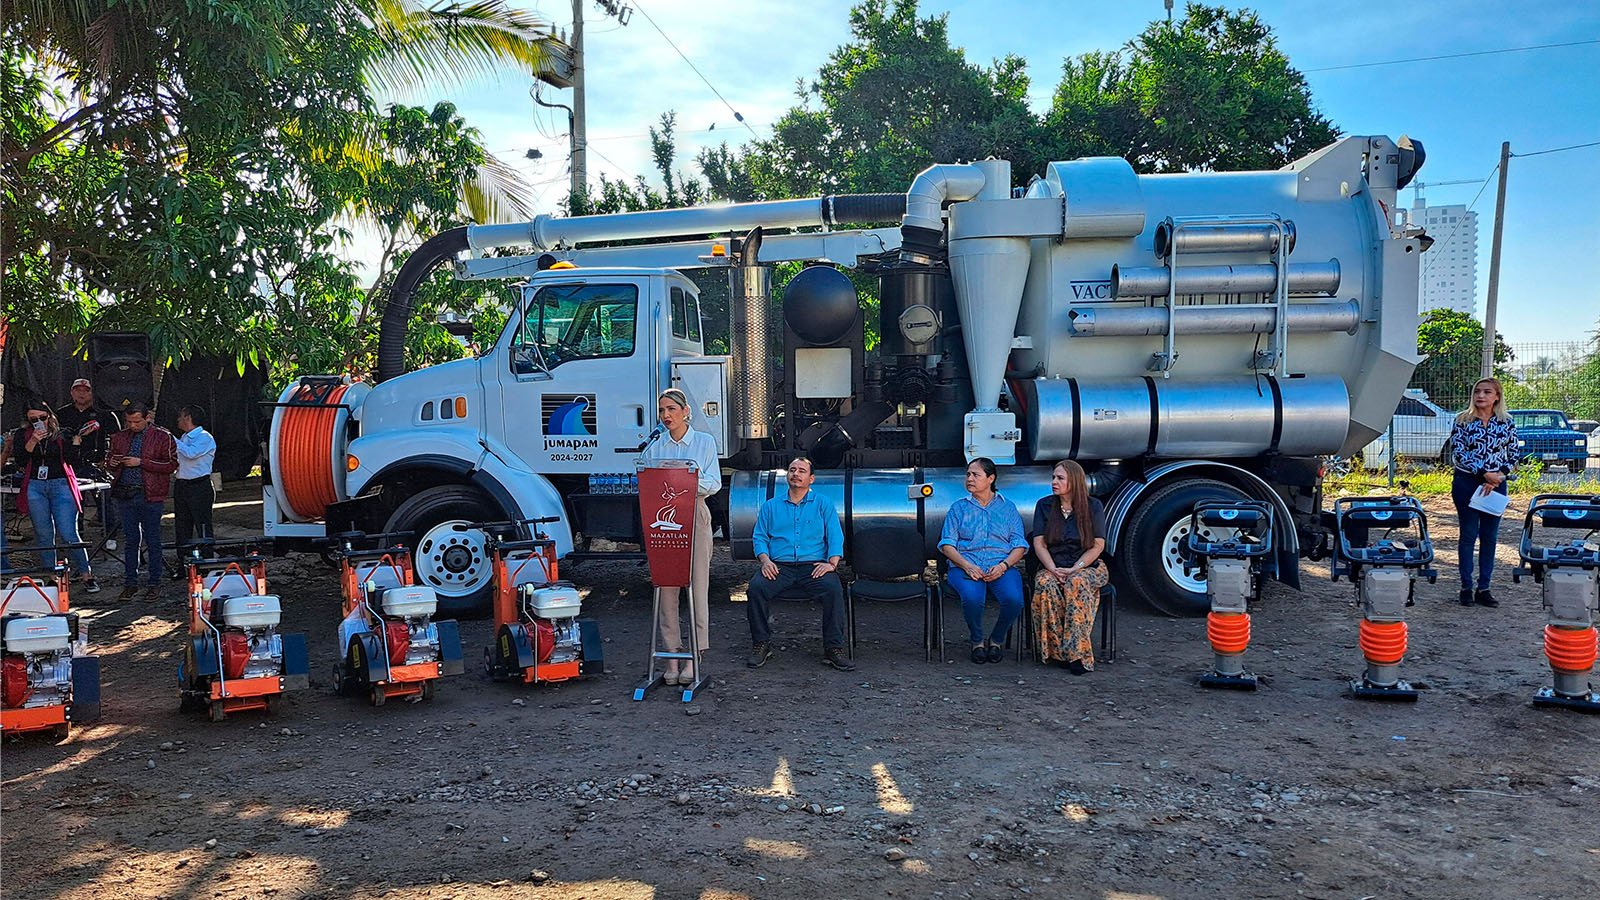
[1204,336]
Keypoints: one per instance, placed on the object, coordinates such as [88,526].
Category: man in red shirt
[142,459]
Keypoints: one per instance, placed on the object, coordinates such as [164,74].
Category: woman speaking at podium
[683,442]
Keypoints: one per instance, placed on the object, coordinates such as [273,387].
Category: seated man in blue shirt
[799,542]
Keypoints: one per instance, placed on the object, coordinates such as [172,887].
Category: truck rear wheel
[448,556]
[1149,558]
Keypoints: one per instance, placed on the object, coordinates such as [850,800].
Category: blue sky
[1460,108]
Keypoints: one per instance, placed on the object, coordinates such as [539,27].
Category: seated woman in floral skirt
[1068,538]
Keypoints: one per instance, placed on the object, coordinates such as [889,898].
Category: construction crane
[1417,186]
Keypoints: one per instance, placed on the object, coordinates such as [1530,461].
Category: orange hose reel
[1383,643]
[305,453]
[1570,650]
[1228,632]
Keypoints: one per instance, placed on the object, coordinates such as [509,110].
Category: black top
[49,453]
[1066,552]
[92,450]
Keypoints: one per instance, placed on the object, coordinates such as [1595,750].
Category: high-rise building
[1449,271]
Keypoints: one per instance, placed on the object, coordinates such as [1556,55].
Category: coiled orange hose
[1570,649]
[305,453]
[1383,643]
[1228,632]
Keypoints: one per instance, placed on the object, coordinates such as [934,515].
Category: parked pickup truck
[1546,435]
[1591,428]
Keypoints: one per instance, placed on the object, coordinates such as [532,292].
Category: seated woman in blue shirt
[983,540]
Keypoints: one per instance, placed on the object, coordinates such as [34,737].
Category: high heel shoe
[669,673]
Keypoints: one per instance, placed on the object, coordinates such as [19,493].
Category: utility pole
[580,143]
[1487,368]
[580,134]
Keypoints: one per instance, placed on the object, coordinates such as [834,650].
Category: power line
[1395,62]
[644,134]
[620,169]
[739,117]
[1559,149]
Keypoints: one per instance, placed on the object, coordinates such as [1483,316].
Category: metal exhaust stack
[750,288]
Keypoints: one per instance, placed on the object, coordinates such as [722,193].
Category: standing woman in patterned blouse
[1483,446]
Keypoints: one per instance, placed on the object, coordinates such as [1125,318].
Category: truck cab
[1546,435]
[551,419]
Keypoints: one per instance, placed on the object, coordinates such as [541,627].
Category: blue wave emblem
[568,418]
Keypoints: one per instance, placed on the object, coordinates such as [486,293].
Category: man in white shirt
[192,493]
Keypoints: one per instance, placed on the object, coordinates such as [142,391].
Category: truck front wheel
[447,555]
[1150,560]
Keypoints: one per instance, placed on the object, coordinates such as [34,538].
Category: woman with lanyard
[683,442]
[1483,449]
[50,490]
[983,540]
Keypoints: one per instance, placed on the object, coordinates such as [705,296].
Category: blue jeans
[141,519]
[55,517]
[1007,591]
[1477,528]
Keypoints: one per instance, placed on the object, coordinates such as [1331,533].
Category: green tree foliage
[618,195]
[1453,344]
[1211,91]
[1569,382]
[190,168]
[884,106]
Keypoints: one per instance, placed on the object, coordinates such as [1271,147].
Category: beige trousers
[700,581]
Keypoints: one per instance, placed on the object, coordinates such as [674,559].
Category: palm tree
[458,43]
[114,59]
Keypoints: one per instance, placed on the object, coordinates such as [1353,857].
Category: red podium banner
[666,512]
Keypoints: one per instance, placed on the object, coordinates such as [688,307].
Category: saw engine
[37,666]
[551,611]
[408,628]
[251,646]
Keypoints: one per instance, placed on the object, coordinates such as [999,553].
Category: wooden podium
[666,516]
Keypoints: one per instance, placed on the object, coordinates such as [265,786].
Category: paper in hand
[1494,503]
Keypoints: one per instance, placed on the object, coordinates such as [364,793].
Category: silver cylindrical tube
[1220,238]
[547,232]
[750,287]
[1317,316]
[937,184]
[1153,281]
[1214,417]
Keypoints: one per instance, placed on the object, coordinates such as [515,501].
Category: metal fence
[1560,376]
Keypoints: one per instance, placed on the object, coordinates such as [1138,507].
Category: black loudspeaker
[122,371]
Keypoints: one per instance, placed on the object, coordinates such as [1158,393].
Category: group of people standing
[139,459]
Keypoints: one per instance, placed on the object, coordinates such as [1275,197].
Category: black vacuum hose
[397,313]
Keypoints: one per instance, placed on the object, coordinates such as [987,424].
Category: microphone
[659,430]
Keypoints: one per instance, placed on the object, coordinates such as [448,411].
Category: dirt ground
[905,778]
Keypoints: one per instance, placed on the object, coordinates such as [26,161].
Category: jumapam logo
[569,421]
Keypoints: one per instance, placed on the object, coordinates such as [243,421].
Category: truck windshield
[566,322]
[1539,419]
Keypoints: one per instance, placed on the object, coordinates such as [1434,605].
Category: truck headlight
[1578,442]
